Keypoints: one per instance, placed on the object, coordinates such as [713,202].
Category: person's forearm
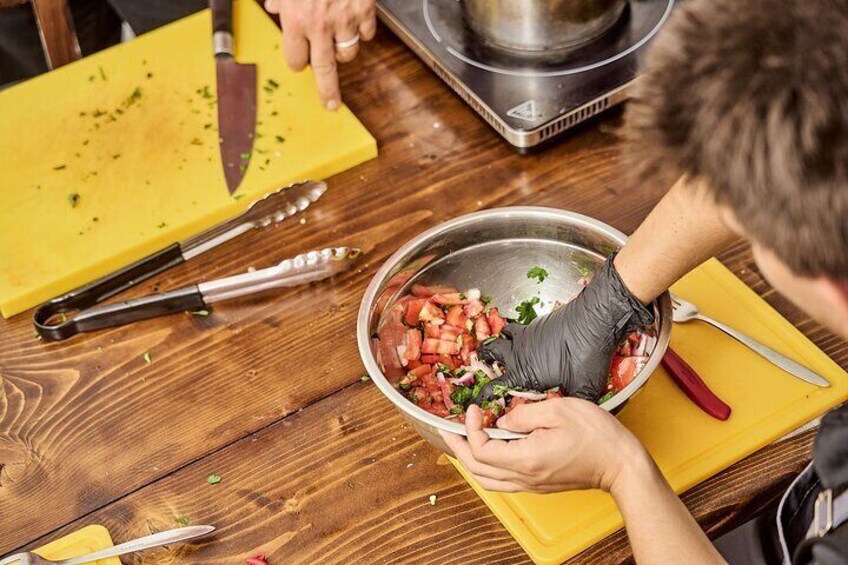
[683,230]
[659,526]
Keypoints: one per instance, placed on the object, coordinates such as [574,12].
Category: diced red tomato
[469,346]
[447,388]
[432,330]
[514,402]
[421,291]
[413,309]
[430,345]
[432,386]
[413,364]
[496,322]
[474,308]
[421,370]
[449,333]
[623,370]
[430,359]
[481,329]
[413,345]
[449,361]
[456,317]
[555,394]
[448,347]
[430,311]
[489,418]
[449,299]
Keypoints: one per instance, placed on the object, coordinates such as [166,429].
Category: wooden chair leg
[56,28]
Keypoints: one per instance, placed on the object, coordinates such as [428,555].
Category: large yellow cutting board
[688,445]
[111,158]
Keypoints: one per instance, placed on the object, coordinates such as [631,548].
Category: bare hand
[312,32]
[572,445]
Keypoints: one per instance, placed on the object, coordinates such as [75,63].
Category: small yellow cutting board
[688,445]
[114,157]
[81,542]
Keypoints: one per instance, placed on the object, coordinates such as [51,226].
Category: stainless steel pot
[541,26]
[493,250]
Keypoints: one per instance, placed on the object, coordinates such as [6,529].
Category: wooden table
[316,465]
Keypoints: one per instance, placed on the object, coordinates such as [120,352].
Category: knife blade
[236,89]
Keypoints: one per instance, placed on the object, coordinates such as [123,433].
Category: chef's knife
[236,97]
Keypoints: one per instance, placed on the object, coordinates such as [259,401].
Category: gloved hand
[572,347]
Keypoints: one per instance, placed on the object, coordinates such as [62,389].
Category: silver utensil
[147,542]
[684,311]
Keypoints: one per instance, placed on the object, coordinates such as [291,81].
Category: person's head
[751,99]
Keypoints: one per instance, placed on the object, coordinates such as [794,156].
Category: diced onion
[640,347]
[529,395]
[465,380]
[473,294]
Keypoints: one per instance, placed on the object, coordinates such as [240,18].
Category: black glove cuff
[640,315]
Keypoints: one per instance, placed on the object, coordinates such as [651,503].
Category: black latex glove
[572,347]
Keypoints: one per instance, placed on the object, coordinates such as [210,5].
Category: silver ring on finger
[347,43]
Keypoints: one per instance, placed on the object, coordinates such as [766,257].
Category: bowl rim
[363,335]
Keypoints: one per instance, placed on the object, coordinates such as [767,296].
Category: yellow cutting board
[86,540]
[688,445]
[113,157]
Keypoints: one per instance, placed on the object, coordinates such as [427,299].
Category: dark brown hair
[752,96]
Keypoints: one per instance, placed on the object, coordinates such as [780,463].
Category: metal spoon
[147,542]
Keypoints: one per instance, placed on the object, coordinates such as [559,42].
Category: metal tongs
[52,323]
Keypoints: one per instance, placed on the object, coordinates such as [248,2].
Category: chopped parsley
[196,141]
[181,520]
[489,340]
[102,74]
[73,199]
[59,167]
[280,139]
[213,479]
[606,397]
[273,84]
[526,312]
[462,395]
[205,92]
[134,97]
[537,273]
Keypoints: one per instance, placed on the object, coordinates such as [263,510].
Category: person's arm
[659,527]
[574,444]
[681,232]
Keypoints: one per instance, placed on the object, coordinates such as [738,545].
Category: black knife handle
[222,15]
[121,313]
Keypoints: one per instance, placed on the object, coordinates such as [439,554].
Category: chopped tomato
[430,345]
[449,299]
[430,311]
[421,370]
[496,322]
[469,346]
[448,347]
[413,345]
[432,330]
[432,386]
[456,317]
[474,308]
[449,333]
[623,370]
[481,329]
[421,291]
[413,364]
[514,402]
[430,359]
[489,418]
[413,310]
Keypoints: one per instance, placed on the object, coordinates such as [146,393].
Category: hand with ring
[323,33]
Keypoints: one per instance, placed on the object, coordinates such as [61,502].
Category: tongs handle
[120,313]
[104,288]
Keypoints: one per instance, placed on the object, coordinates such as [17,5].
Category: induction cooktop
[528,100]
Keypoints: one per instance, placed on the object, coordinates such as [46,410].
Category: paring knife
[236,84]
[692,386]
[273,207]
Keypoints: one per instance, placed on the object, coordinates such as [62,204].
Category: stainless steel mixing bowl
[541,26]
[493,250]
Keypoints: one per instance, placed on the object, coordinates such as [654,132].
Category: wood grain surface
[266,391]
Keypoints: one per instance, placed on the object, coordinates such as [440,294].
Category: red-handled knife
[691,384]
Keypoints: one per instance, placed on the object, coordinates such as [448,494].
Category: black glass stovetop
[526,99]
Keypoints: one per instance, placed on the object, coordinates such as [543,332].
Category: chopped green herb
[181,520]
[267,88]
[98,112]
[196,141]
[499,390]
[486,299]
[102,74]
[149,75]
[95,219]
[59,167]
[85,142]
[489,340]
[148,358]
[116,156]
[274,113]
[245,156]
[606,397]
[462,395]
[462,296]
[204,92]
[207,126]
[260,151]
[526,312]
[273,84]
[238,196]
[134,97]
[280,139]
[73,199]
[90,78]
[213,479]
[82,114]
[537,273]
[457,410]
[201,313]
[162,225]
